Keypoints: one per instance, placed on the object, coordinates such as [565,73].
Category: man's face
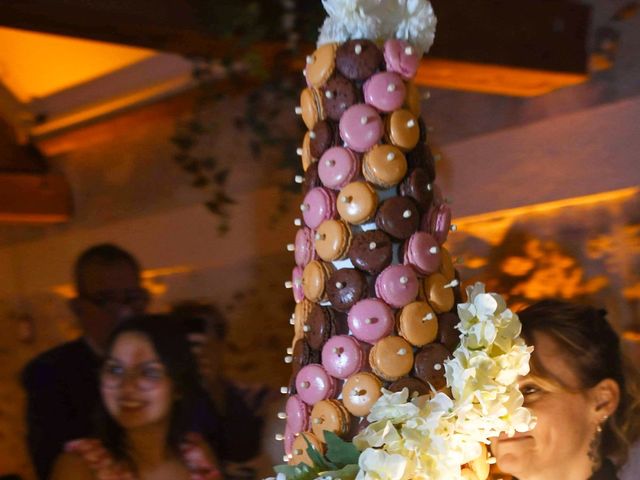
[107,295]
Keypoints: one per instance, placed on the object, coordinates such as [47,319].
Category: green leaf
[301,471]
[319,462]
[348,472]
[340,452]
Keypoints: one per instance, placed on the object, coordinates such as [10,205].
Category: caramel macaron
[307,157]
[401,129]
[300,318]
[446,266]
[314,279]
[391,358]
[413,100]
[311,107]
[357,202]
[321,64]
[417,323]
[332,240]
[384,165]
[438,292]
[299,448]
[360,392]
[331,416]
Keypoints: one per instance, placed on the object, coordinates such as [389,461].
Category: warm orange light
[492,226]
[149,276]
[496,79]
[39,64]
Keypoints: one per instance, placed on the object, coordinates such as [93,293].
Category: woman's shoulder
[71,465]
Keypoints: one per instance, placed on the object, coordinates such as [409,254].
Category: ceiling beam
[533,34]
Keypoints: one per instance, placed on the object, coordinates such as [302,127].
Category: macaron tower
[374,286]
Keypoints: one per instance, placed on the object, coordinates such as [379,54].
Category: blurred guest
[582,391]
[62,383]
[149,386]
[232,415]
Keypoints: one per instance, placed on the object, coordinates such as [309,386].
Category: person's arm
[47,416]
[71,466]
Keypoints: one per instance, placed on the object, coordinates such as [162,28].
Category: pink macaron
[401,58]
[437,221]
[370,320]
[422,252]
[397,285]
[297,414]
[319,204]
[385,91]
[304,250]
[338,167]
[313,384]
[296,283]
[342,356]
[361,127]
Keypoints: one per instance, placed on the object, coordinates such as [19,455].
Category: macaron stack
[375,289]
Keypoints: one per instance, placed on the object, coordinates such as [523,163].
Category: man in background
[62,383]
[232,416]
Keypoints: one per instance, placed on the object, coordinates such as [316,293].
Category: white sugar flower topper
[409,20]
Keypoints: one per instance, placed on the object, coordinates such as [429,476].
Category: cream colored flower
[377,464]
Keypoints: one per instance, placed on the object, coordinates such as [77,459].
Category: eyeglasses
[146,376]
[135,298]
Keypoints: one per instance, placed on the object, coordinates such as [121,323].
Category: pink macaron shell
[391,288]
[422,252]
[342,356]
[377,93]
[297,414]
[370,320]
[361,135]
[337,167]
[304,251]
[313,384]
[296,282]
[437,221]
[289,438]
[400,60]
[319,204]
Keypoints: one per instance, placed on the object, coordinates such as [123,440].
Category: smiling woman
[583,393]
[149,386]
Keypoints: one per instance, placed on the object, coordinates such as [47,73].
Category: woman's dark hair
[592,347]
[168,338]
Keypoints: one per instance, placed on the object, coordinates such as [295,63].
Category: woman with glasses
[149,386]
[583,393]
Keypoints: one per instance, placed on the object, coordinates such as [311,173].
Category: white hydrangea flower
[393,406]
[376,464]
[415,22]
[351,19]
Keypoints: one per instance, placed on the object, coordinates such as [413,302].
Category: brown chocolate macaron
[399,217]
[448,334]
[429,364]
[303,355]
[325,134]
[371,251]
[311,178]
[418,185]
[345,287]
[416,387]
[358,59]
[317,330]
[421,157]
[338,95]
